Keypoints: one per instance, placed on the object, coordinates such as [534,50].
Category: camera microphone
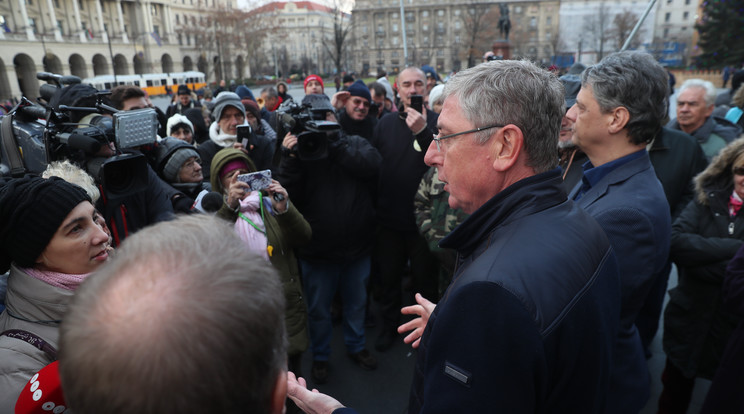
[33,111]
[80,142]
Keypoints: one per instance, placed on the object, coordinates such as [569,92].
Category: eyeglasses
[738,171]
[192,163]
[438,138]
[358,101]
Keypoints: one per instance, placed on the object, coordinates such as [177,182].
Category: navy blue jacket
[529,321]
[630,205]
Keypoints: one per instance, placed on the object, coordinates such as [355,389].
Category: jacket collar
[33,300]
[617,175]
[523,198]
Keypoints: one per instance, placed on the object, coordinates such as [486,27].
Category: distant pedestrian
[726,75]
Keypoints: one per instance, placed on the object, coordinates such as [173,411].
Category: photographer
[333,190]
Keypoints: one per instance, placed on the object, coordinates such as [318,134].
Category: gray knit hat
[226,99]
[32,209]
[176,161]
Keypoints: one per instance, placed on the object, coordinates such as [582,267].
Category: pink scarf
[61,280]
[254,237]
[735,203]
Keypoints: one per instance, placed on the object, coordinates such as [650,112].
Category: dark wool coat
[704,239]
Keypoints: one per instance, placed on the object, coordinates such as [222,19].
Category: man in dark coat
[618,110]
[401,138]
[524,327]
[184,102]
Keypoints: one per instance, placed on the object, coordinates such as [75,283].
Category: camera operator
[334,193]
[129,98]
[353,109]
[124,214]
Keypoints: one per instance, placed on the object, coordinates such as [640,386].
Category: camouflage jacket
[434,217]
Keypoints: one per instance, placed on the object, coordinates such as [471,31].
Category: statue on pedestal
[504,22]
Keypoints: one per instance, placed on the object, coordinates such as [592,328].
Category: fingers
[412,310]
[422,300]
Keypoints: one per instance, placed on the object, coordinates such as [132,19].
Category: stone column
[53,21]
[124,36]
[78,20]
[24,16]
[101,27]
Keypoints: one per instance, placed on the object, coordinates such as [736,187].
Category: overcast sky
[253,3]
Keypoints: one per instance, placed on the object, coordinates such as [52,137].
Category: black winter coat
[696,327]
[335,196]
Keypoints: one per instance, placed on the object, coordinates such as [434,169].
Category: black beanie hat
[32,209]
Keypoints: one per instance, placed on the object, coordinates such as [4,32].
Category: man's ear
[506,147]
[620,117]
[279,396]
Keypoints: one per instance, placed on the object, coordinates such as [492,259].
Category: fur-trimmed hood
[718,175]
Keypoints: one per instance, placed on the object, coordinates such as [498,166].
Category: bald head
[181,305]
[411,81]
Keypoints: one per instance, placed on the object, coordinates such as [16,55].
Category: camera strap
[10,147]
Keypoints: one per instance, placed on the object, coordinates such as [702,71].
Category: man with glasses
[528,323]
[352,108]
[619,110]
[401,138]
[229,114]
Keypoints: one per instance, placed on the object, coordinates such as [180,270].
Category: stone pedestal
[502,48]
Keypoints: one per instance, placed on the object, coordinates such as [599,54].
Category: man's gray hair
[271,92]
[710,90]
[635,81]
[513,92]
[183,319]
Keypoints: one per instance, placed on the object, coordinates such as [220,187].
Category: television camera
[308,122]
[93,136]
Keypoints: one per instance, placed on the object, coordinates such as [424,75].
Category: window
[81,4]
[685,15]
[548,36]
[178,21]
[56,3]
[180,39]
[103,8]
[395,27]
[395,40]
[667,17]
[518,9]
[32,24]
[549,21]
[394,54]
[364,29]
[59,26]
[457,39]
[394,15]
[533,22]
[666,33]
[440,12]
[425,13]
[30,2]
[156,29]
[458,24]
[425,27]
[188,39]
[687,2]
[457,12]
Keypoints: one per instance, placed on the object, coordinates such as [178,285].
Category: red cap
[43,393]
[313,77]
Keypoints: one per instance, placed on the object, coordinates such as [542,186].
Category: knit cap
[225,99]
[315,78]
[184,90]
[32,209]
[361,90]
[175,120]
[176,161]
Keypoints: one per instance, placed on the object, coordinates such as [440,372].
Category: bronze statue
[504,22]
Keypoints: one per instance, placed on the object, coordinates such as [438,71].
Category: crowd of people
[536,217]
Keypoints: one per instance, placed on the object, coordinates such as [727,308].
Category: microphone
[80,142]
[211,202]
[33,111]
[43,393]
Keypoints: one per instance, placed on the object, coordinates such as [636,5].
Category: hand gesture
[311,402]
[415,120]
[423,310]
[238,190]
[338,100]
[276,188]
[290,141]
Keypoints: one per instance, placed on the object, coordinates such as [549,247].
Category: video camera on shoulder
[74,121]
[308,123]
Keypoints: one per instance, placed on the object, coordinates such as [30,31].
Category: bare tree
[622,25]
[598,29]
[337,45]
[479,23]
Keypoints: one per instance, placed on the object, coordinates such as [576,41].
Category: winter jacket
[725,392]
[714,135]
[285,232]
[677,158]
[401,170]
[36,307]
[704,238]
[335,195]
[524,327]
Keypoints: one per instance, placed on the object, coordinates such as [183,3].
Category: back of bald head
[181,310]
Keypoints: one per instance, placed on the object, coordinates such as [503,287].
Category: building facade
[87,38]
[447,34]
[298,37]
